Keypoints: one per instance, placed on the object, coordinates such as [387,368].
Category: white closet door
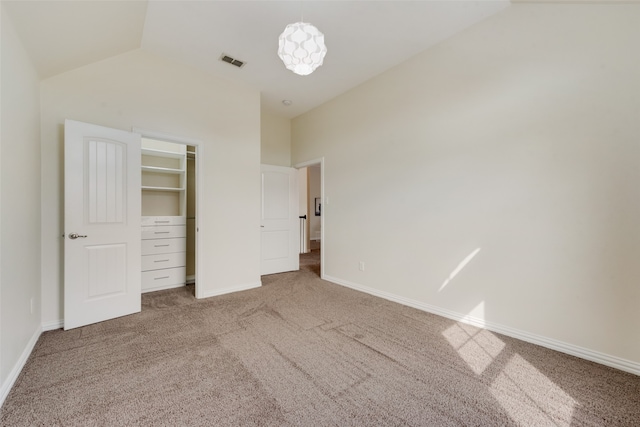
[280,221]
[102,224]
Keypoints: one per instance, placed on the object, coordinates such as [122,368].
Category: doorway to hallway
[312,213]
[311,260]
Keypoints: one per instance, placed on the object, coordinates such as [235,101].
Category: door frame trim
[314,162]
[199,290]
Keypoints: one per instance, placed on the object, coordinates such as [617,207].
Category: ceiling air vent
[232,61]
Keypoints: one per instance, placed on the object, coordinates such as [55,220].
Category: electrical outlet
[361,266]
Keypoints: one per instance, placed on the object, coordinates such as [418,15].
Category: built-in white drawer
[164,246]
[167,232]
[163,279]
[163,220]
[154,262]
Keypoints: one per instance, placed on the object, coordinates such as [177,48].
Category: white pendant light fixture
[301,48]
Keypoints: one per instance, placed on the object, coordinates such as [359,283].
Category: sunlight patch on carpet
[530,397]
[477,347]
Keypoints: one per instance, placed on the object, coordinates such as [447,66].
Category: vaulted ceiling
[364,38]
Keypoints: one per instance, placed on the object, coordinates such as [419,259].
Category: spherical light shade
[301,48]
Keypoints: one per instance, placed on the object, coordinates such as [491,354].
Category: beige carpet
[301,351]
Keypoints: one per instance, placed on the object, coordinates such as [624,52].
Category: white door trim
[200,293]
[314,162]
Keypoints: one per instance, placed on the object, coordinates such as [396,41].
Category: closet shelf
[149,188]
[162,170]
[161,153]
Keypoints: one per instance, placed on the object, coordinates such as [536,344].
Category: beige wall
[275,139]
[303,190]
[19,206]
[513,146]
[141,90]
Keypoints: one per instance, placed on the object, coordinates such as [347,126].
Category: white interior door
[280,222]
[102,224]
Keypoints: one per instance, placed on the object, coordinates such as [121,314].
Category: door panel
[102,224]
[105,185]
[275,244]
[107,270]
[280,222]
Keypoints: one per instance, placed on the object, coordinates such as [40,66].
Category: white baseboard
[223,291]
[17,368]
[53,325]
[191,279]
[573,350]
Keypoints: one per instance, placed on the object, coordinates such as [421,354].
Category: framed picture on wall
[318,206]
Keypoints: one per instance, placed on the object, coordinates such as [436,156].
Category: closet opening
[169,177]
[191,215]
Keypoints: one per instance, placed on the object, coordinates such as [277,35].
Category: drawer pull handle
[161,232]
[160,278]
[161,260]
[162,222]
[159,246]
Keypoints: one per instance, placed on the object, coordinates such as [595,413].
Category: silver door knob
[75,236]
